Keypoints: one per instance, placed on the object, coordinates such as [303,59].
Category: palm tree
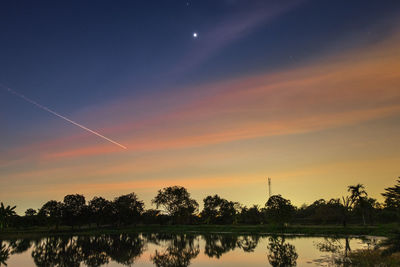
[5,214]
[358,196]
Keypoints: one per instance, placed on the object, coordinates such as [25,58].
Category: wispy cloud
[230,29]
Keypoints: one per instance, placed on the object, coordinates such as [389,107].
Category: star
[195,35]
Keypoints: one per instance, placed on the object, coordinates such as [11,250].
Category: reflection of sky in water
[231,251]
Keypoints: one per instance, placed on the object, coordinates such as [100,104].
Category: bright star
[195,35]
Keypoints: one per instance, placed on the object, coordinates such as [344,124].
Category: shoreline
[292,230]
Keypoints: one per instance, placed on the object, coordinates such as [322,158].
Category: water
[179,250]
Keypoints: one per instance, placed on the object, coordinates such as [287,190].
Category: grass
[308,230]
[373,258]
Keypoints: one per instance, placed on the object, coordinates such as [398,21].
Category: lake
[179,250]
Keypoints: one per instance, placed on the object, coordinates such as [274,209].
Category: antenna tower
[269,186]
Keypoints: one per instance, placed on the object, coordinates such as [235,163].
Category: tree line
[174,205]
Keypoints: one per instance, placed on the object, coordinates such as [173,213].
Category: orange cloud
[347,89]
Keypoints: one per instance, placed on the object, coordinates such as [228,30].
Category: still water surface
[179,250]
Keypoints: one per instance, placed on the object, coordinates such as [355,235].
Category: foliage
[177,203]
[52,211]
[6,212]
[279,210]
[392,199]
[252,215]
[101,210]
[30,212]
[179,208]
[358,197]
[128,208]
[218,210]
[392,196]
[73,209]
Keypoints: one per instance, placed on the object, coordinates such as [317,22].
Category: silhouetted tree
[101,210]
[358,197]
[252,215]
[346,207]
[177,203]
[128,208]
[52,212]
[30,212]
[73,209]
[369,207]
[392,198]
[279,209]
[152,216]
[321,211]
[6,212]
[218,210]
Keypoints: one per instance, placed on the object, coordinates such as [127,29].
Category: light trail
[61,116]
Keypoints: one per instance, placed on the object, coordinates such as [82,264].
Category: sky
[304,92]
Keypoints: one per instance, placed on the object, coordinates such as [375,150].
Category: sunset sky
[305,92]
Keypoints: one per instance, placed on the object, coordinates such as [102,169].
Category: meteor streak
[61,116]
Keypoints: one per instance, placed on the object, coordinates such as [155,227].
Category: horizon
[215,96]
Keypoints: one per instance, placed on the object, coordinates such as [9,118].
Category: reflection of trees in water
[92,251]
[218,244]
[248,243]
[180,250]
[95,250]
[338,254]
[125,249]
[332,245]
[5,252]
[281,254]
[13,247]
[20,245]
[173,250]
[57,251]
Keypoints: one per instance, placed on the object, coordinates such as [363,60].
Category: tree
[52,211]
[346,206]
[177,203]
[30,212]
[218,210]
[252,215]
[5,214]
[358,197]
[392,198]
[128,208]
[100,209]
[279,209]
[73,209]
